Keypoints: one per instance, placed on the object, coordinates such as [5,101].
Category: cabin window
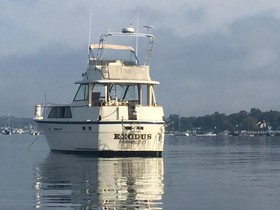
[60,112]
[124,92]
[82,93]
[98,92]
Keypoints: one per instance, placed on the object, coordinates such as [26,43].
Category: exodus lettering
[133,136]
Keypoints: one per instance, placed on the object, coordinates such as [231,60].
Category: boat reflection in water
[82,182]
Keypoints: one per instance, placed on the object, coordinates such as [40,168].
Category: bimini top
[111,47]
[100,53]
[108,81]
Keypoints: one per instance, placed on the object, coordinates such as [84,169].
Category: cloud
[224,72]
[25,79]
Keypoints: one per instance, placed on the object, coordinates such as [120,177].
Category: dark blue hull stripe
[108,153]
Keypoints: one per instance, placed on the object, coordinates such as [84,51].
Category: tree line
[254,120]
[18,122]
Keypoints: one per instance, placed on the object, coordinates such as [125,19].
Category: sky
[208,55]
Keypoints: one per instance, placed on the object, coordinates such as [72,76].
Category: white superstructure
[114,109]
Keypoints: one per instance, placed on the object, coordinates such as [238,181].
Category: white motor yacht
[114,110]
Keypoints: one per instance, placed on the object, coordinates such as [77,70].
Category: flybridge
[126,32]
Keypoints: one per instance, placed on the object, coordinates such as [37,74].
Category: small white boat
[206,134]
[35,133]
[181,133]
[114,109]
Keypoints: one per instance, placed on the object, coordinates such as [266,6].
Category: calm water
[194,173]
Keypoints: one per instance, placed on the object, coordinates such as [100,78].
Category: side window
[82,93]
[60,112]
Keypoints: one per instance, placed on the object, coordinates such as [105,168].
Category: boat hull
[105,138]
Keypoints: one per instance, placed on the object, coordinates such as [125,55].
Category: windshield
[123,92]
[82,93]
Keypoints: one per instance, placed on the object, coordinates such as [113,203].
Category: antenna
[137,26]
[45,98]
[148,28]
[89,36]
[89,30]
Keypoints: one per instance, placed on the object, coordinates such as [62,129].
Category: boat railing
[43,111]
[98,62]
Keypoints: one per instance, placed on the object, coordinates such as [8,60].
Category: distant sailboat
[7,130]
[34,131]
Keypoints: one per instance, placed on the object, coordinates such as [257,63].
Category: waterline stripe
[100,122]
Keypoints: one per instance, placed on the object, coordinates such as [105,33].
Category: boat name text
[132,136]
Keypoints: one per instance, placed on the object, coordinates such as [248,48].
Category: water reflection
[80,182]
